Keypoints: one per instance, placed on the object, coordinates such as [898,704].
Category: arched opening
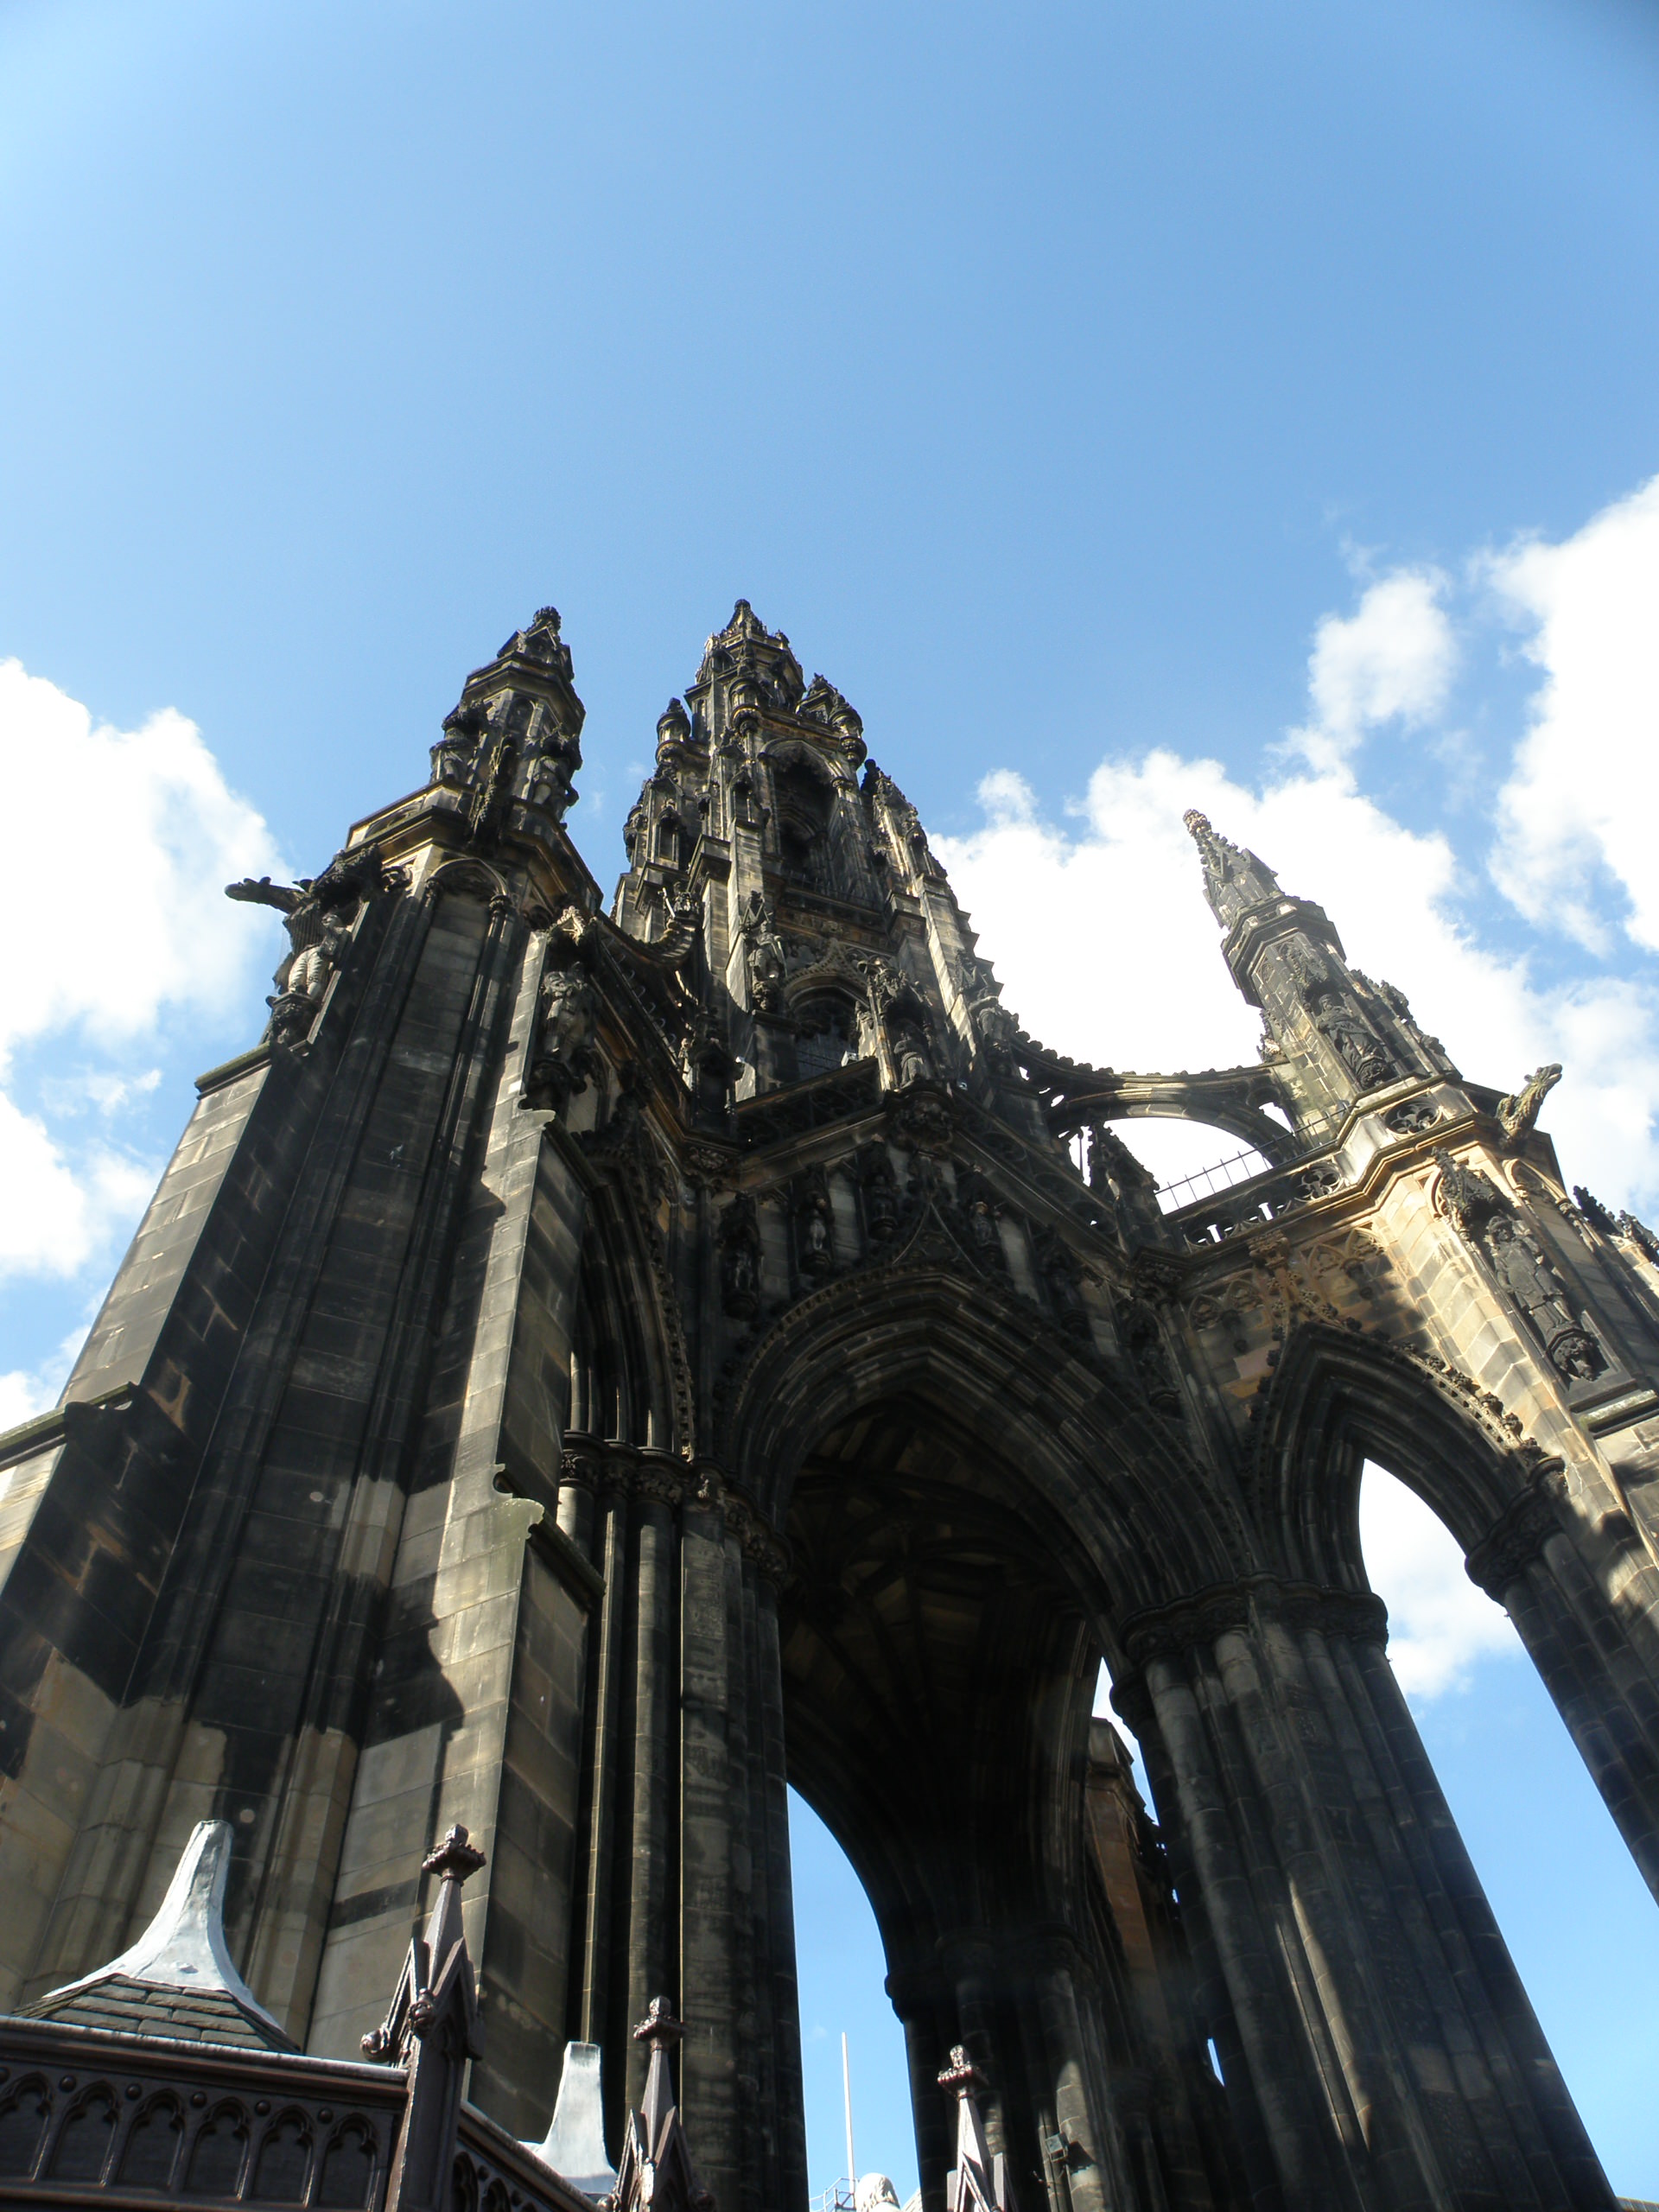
[828,1035]
[940,1652]
[1191,1161]
[841,1972]
[1574,1910]
[802,803]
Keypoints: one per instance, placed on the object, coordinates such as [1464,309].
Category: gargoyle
[1518,1114]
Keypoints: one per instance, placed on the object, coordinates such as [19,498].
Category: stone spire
[1234,880]
[1333,1035]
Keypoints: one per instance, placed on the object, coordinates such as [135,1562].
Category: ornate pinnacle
[660,2029]
[962,2075]
[454,1857]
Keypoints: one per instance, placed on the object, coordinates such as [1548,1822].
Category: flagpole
[847,2099]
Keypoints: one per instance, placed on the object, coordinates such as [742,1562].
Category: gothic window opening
[670,838]
[802,806]
[827,1038]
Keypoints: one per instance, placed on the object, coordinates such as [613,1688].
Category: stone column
[1092,2163]
[653,1960]
[922,2004]
[605,1757]
[1393,2059]
[1585,1601]
[777,1954]
[707,1906]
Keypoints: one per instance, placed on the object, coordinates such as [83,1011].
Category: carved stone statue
[1518,1114]
[1519,1264]
[815,1236]
[1362,1053]
[910,1060]
[1060,1275]
[456,752]
[564,1056]
[317,912]
[880,1190]
[739,1257]
[763,954]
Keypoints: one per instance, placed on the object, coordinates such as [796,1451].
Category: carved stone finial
[962,2075]
[454,1859]
[659,2029]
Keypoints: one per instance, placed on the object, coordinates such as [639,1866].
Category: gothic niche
[814,1238]
[801,811]
[1516,1260]
[828,1035]
[763,954]
[457,751]
[879,1187]
[1062,1276]
[1143,1340]
[739,1258]
[977,1202]
[1337,1017]
[565,1054]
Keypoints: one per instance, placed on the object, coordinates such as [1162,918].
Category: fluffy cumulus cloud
[1440,1626]
[135,928]
[1099,930]
[1576,813]
[1392,660]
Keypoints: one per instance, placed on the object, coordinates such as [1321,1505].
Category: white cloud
[1391,660]
[102,938]
[133,918]
[1108,951]
[1585,788]
[57,1214]
[1440,1626]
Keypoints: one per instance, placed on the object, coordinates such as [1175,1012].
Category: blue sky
[1129,406]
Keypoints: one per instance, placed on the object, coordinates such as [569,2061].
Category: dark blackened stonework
[584,1370]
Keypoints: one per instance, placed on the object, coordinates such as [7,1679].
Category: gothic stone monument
[588,1368]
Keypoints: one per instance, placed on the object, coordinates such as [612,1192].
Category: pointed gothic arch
[1111,1472]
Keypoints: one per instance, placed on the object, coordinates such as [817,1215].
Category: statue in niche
[1060,1274]
[455,753]
[763,954]
[1519,1264]
[549,761]
[815,1235]
[909,1060]
[1359,1051]
[977,1202]
[880,1190]
[739,1257]
[1143,1341]
[565,1054]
